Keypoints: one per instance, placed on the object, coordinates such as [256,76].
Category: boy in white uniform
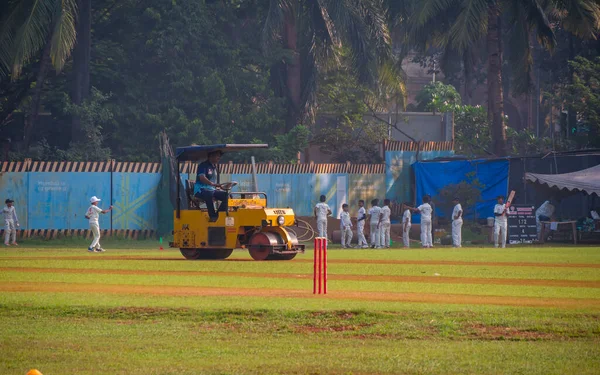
[321,211]
[406,224]
[425,210]
[457,223]
[346,227]
[362,218]
[93,214]
[374,222]
[11,222]
[385,224]
[500,224]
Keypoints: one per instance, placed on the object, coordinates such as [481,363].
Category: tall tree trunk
[294,71]
[81,63]
[467,76]
[36,96]
[571,113]
[494,81]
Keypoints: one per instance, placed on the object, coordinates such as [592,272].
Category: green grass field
[138,310]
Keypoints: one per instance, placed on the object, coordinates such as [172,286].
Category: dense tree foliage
[435,96]
[192,68]
[91,80]
[346,128]
[584,96]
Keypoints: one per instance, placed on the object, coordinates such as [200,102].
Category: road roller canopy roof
[195,153]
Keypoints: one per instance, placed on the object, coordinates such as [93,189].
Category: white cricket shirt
[457,209]
[93,213]
[498,209]
[345,218]
[362,213]
[425,210]
[322,209]
[385,214]
[10,214]
[374,212]
[406,218]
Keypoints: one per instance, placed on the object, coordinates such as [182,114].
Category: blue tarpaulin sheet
[431,177]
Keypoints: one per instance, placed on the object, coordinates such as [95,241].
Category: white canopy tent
[586,180]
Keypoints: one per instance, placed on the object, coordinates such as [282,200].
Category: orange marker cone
[34,372]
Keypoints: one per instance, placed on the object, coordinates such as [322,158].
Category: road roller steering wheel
[227,186]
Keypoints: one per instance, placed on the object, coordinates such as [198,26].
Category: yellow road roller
[247,222]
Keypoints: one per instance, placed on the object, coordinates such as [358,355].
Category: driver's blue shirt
[208,170]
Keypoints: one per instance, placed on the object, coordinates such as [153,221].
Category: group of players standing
[380,223]
[378,218]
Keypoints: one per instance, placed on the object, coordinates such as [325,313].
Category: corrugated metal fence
[52,197]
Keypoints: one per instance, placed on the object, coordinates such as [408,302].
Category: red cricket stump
[320,266]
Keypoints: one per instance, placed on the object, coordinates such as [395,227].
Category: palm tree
[476,19]
[43,29]
[458,26]
[312,35]
[581,19]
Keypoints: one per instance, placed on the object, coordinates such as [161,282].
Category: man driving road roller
[207,185]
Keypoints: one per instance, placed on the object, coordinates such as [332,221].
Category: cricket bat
[511,196]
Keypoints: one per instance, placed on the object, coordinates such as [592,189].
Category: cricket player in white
[11,222]
[385,224]
[457,223]
[321,211]
[406,224]
[93,214]
[362,218]
[425,210]
[374,213]
[346,227]
[500,224]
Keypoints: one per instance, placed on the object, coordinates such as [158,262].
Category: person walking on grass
[346,227]
[457,223]
[322,211]
[360,224]
[406,224]
[11,223]
[385,224]
[93,215]
[374,213]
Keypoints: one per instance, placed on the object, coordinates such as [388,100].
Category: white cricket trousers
[426,233]
[322,228]
[96,232]
[457,232]
[10,232]
[385,234]
[375,236]
[362,241]
[346,237]
[500,226]
[405,235]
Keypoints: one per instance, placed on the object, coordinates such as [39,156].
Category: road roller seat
[194,202]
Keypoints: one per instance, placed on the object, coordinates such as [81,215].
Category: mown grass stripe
[332,261]
[51,287]
[348,277]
